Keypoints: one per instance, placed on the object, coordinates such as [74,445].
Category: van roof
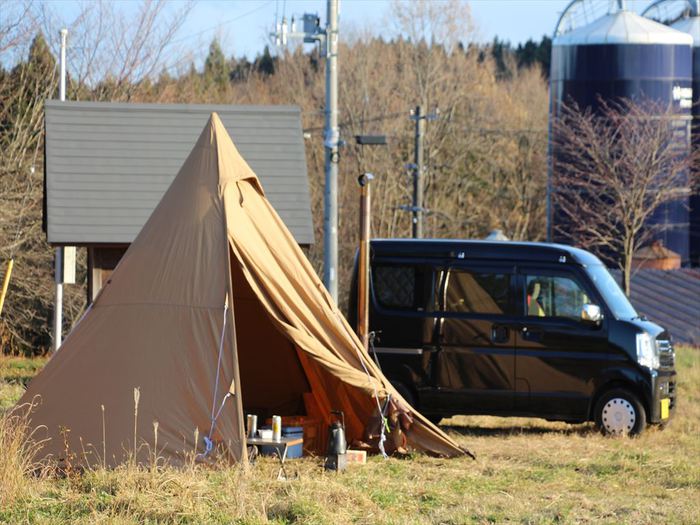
[476,249]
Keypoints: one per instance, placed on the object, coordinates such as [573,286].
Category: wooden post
[363,260]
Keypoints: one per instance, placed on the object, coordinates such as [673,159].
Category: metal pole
[62,79]
[417,227]
[363,260]
[330,215]
[58,270]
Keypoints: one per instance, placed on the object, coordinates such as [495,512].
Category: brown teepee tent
[163,324]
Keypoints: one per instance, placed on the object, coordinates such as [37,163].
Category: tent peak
[232,166]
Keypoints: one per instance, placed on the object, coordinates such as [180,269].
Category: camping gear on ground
[265,433]
[336,435]
[294,450]
[252,425]
[213,290]
[283,448]
[337,444]
[314,429]
[356,457]
[276,428]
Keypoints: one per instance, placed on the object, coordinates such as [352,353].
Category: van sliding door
[402,315]
[474,367]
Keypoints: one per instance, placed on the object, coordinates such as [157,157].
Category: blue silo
[623,55]
[691,26]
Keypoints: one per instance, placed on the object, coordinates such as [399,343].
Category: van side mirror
[591,313]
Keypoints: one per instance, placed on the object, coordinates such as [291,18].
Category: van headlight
[647,351]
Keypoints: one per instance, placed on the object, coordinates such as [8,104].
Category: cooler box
[295,451]
[294,432]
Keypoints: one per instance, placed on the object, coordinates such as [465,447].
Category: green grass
[15,374]
[527,471]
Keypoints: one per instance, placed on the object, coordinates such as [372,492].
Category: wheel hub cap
[619,416]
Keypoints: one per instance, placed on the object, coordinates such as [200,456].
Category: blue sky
[251,20]
[242,26]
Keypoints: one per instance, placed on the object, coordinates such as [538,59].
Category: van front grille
[672,394]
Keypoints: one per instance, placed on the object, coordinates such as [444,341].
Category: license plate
[665,406]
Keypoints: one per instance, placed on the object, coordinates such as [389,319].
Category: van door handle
[499,334]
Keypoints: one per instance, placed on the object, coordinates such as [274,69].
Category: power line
[391,116]
[235,18]
[347,123]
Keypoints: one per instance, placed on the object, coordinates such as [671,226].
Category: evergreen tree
[40,58]
[265,63]
[239,69]
[215,67]
[535,53]
[500,51]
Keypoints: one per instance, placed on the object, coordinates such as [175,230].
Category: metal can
[252,425]
[276,428]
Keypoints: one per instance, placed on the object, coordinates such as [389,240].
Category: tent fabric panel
[169,353]
[180,256]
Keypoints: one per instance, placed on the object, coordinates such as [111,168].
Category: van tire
[619,412]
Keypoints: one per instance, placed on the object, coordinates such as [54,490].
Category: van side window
[478,292]
[403,287]
[554,296]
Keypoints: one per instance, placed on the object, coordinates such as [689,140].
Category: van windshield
[613,295]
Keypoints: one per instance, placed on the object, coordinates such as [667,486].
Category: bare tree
[112,56]
[112,51]
[613,169]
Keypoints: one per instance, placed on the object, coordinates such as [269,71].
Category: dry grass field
[527,471]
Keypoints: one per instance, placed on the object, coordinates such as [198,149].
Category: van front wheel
[619,412]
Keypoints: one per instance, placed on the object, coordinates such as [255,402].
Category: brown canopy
[163,324]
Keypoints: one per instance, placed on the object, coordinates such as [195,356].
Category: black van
[515,329]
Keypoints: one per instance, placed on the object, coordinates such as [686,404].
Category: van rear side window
[478,292]
[403,287]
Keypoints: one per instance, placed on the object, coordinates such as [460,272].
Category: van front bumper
[663,399]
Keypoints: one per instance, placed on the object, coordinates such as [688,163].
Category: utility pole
[330,142]
[417,208]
